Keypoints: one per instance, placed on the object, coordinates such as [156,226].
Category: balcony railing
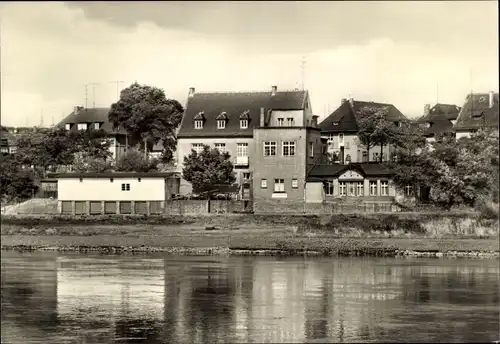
[241,161]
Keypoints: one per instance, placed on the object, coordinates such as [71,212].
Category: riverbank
[346,235]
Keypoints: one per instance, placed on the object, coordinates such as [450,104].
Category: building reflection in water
[78,298]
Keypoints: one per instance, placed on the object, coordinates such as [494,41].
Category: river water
[80,298]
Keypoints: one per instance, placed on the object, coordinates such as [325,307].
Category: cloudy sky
[405,53]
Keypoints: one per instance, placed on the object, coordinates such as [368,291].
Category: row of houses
[278,150]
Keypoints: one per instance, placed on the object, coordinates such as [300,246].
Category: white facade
[111,189]
[459,135]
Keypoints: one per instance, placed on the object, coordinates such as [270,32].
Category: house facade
[480,111]
[226,121]
[114,192]
[8,142]
[97,119]
[439,120]
[340,130]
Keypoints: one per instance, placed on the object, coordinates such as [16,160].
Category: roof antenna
[303,70]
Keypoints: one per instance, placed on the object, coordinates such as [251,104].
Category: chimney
[262,117]
[492,100]
[191,92]
[273,90]
[77,109]
[427,109]
[343,100]
[315,121]
[351,101]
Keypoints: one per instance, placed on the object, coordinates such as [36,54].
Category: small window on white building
[288,148]
[329,189]
[82,126]
[360,190]
[373,188]
[290,122]
[197,147]
[221,124]
[221,147]
[342,188]
[281,121]
[198,124]
[408,190]
[295,184]
[279,185]
[97,126]
[243,123]
[263,183]
[384,188]
[270,148]
[68,126]
[125,187]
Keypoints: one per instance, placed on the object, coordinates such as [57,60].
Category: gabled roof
[440,111]
[320,172]
[476,112]
[91,116]
[345,116]
[235,105]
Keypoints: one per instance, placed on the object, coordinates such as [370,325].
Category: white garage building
[115,192]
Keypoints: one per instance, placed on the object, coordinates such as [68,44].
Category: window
[351,189]
[82,126]
[373,188]
[97,126]
[270,148]
[288,148]
[242,149]
[111,180]
[342,188]
[290,122]
[68,126]
[408,190]
[329,189]
[197,147]
[341,139]
[246,175]
[360,189]
[331,141]
[280,122]
[263,183]
[311,149]
[221,124]
[5,149]
[125,187]
[335,123]
[384,188]
[243,123]
[347,145]
[348,158]
[221,147]
[295,184]
[139,180]
[279,185]
[198,124]
[13,150]
[375,157]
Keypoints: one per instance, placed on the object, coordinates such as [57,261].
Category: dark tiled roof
[234,105]
[439,111]
[441,125]
[112,175]
[335,170]
[7,138]
[91,116]
[476,112]
[345,116]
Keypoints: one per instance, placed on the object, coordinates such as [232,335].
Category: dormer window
[82,126]
[68,126]
[198,120]
[97,126]
[244,118]
[221,120]
[335,123]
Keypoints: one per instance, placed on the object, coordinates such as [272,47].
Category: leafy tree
[16,183]
[148,116]
[85,163]
[134,161]
[375,130]
[207,169]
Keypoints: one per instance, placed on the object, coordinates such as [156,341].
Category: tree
[207,169]
[375,130]
[148,116]
[134,161]
[16,182]
[84,163]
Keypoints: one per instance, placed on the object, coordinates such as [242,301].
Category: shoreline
[217,251]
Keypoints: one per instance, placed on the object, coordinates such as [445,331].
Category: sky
[405,53]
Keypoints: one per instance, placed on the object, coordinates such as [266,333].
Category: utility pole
[117,87]
[93,84]
[41,118]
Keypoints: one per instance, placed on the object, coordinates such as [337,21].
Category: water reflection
[154,299]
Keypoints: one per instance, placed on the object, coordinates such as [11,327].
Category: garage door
[125,207]
[109,207]
[155,207]
[95,207]
[67,207]
[141,207]
[80,208]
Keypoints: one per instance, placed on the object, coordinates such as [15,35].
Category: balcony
[241,161]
